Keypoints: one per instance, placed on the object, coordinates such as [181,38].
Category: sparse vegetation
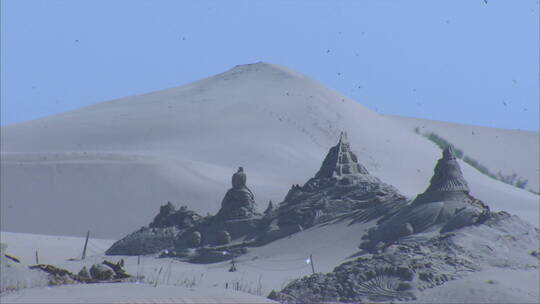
[478,166]
[251,287]
[511,179]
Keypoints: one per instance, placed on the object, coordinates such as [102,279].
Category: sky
[462,61]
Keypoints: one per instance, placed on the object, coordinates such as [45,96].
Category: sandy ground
[259,271]
[269,267]
[493,285]
[129,293]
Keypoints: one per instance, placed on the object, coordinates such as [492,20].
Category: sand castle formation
[176,230]
[342,163]
[239,201]
[410,246]
[341,188]
[444,234]
[446,205]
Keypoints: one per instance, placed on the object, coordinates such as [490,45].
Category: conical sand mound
[448,176]
[447,182]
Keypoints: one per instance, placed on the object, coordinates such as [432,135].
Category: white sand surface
[129,293]
[259,271]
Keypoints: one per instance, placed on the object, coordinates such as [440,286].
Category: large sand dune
[108,167]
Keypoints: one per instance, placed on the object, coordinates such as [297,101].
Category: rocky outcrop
[446,205]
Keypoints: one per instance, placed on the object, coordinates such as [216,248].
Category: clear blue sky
[455,60]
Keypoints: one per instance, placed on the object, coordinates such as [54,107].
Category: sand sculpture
[443,235]
[411,246]
[239,201]
[446,205]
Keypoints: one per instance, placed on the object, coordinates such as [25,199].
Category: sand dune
[108,167]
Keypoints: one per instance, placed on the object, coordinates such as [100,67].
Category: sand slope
[503,150]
